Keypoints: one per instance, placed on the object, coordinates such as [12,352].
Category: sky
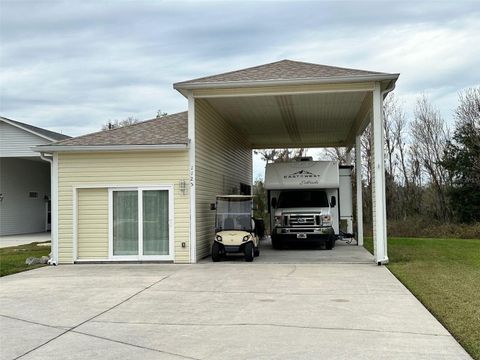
[71,66]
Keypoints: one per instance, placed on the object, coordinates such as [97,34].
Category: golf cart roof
[235,197]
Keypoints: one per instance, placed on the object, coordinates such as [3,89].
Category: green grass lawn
[444,274]
[12,259]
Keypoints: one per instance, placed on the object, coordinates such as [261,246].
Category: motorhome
[309,200]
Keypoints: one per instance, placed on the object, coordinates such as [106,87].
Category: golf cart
[235,230]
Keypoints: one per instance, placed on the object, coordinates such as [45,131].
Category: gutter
[258,83]
[96,148]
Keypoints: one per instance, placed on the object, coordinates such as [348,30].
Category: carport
[282,104]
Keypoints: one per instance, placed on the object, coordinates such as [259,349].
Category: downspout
[53,260]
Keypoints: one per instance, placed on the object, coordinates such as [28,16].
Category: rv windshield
[302,198]
[234,214]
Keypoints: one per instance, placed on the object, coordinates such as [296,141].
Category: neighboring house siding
[19,213]
[17,142]
[223,160]
[92,230]
[121,168]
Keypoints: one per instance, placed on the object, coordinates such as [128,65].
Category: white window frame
[140,255]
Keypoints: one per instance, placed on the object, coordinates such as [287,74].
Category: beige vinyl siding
[92,223]
[223,160]
[101,170]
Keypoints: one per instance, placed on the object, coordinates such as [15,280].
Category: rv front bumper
[304,234]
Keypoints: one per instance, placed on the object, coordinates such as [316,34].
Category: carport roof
[283,72]
[293,104]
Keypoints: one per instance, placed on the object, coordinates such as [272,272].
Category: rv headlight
[326,220]
[246,238]
[278,220]
[218,238]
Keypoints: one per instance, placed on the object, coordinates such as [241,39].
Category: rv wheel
[330,243]
[275,243]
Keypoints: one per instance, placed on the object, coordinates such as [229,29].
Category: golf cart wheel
[257,252]
[215,252]
[249,252]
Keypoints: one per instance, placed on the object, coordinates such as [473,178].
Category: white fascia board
[97,148]
[256,83]
[27,130]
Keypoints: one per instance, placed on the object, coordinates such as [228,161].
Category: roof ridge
[284,61]
[118,128]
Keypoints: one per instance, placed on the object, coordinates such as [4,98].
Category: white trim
[191,157]
[290,92]
[96,148]
[10,122]
[171,223]
[75,223]
[358,178]
[254,83]
[380,239]
[99,260]
[54,208]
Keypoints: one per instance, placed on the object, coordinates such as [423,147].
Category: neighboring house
[24,178]
[143,192]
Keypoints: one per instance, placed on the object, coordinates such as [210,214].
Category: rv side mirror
[333,201]
[274,202]
[213,206]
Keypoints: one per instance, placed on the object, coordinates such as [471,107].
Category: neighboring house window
[245,189]
[33,194]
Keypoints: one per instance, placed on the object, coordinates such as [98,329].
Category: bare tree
[336,154]
[114,124]
[429,138]
[281,155]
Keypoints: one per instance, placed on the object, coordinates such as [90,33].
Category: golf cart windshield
[234,214]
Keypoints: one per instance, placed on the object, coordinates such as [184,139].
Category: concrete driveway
[14,240]
[227,310]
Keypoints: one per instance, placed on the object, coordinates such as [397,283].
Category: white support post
[191,154]
[358,175]
[378,181]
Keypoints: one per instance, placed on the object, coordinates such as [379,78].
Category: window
[140,223]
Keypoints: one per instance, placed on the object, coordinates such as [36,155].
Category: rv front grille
[302,220]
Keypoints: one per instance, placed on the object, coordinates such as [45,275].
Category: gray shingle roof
[42,132]
[280,70]
[170,129]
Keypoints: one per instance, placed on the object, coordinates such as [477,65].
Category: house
[24,178]
[143,192]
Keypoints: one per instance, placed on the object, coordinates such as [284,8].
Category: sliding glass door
[140,223]
[155,222]
[125,223]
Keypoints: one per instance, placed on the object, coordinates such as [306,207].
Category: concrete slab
[307,253]
[231,309]
[15,240]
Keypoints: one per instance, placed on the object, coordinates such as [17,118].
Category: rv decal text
[302,174]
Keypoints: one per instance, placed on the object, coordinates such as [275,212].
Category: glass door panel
[125,223]
[155,222]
